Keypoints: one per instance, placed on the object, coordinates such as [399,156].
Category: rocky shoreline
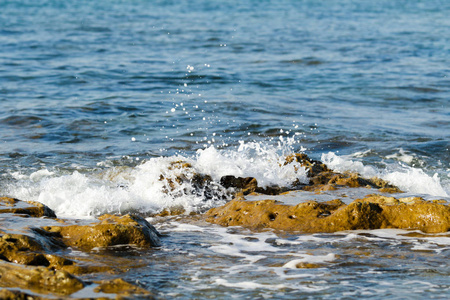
[373,211]
[40,259]
[42,256]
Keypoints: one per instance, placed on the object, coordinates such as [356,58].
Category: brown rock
[111,231]
[324,179]
[372,212]
[120,287]
[314,167]
[29,208]
[17,295]
[328,180]
[304,265]
[38,279]
[33,260]
[22,249]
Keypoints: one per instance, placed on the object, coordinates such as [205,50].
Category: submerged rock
[371,212]
[121,287]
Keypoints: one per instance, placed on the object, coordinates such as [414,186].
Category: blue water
[79,80]
[83,82]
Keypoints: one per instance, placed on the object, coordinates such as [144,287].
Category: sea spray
[159,183]
[266,163]
[407,178]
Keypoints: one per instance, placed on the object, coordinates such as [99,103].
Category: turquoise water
[121,88]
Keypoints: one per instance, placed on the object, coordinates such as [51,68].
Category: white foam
[316,259]
[342,164]
[155,184]
[402,156]
[408,179]
[39,175]
[249,285]
[158,183]
[266,163]
[416,181]
[119,189]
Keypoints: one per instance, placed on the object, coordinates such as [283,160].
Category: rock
[314,167]
[324,179]
[184,180]
[111,231]
[33,259]
[371,212]
[328,180]
[320,179]
[245,185]
[17,295]
[39,279]
[120,287]
[23,249]
[28,208]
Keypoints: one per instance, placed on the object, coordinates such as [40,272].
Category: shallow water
[98,99]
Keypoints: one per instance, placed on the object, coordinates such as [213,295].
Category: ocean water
[98,99]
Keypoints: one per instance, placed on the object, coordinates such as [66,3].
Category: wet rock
[6,294]
[110,231]
[415,213]
[245,185]
[39,279]
[28,208]
[305,265]
[24,249]
[328,180]
[121,287]
[36,259]
[372,212]
[184,180]
[323,179]
[314,167]
[170,211]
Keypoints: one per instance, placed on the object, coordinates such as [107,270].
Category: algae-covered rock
[38,279]
[313,167]
[26,249]
[328,180]
[29,208]
[36,260]
[6,294]
[110,231]
[372,212]
[321,178]
[121,287]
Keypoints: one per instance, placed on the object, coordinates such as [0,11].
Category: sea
[101,100]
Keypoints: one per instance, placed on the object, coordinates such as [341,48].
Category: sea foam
[167,182]
[407,178]
[158,183]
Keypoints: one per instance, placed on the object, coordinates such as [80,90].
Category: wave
[192,184]
[407,178]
